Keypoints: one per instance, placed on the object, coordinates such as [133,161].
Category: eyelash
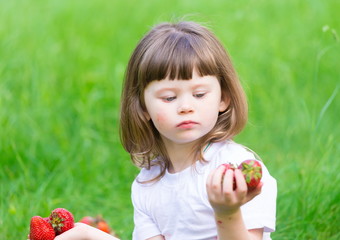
[170,99]
[199,95]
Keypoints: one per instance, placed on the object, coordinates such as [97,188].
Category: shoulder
[146,175]
[143,191]
[228,152]
[231,152]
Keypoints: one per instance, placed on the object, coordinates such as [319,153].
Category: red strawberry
[102,225]
[252,172]
[40,229]
[89,221]
[97,222]
[61,220]
[228,166]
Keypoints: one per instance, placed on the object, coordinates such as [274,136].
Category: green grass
[61,67]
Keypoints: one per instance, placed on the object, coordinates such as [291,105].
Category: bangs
[175,57]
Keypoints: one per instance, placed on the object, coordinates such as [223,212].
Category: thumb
[255,192]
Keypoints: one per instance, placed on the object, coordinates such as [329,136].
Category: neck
[181,155]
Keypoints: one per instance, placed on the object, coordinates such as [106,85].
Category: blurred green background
[61,67]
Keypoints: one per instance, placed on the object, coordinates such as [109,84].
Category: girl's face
[184,110]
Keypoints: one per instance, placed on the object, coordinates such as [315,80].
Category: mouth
[187,124]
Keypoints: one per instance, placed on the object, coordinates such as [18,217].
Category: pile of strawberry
[59,221]
[251,170]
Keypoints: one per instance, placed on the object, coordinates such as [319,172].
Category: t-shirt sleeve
[144,226]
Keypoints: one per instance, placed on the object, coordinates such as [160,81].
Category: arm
[83,231]
[226,203]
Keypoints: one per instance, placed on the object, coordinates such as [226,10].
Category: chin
[186,140]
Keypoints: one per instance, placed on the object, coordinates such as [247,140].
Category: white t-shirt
[177,205]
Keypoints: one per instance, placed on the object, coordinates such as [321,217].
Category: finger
[219,175]
[209,181]
[228,181]
[255,192]
[241,184]
[216,179]
[72,233]
[210,176]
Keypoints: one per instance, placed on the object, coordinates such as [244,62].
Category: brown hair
[174,50]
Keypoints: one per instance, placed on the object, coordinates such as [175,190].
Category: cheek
[160,118]
[210,114]
[160,121]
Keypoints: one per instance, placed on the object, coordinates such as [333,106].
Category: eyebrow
[161,90]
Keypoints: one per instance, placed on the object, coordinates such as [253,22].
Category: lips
[187,124]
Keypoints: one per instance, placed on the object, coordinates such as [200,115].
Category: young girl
[182,104]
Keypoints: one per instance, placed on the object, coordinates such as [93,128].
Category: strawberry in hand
[229,187]
[40,229]
[252,172]
[61,220]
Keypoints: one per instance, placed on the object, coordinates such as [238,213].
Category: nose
[185,108]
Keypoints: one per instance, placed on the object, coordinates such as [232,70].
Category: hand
[223,198]
[83,231]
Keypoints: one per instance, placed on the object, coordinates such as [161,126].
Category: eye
[168,99]
[199,95]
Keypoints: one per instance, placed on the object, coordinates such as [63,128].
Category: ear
[224,104]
